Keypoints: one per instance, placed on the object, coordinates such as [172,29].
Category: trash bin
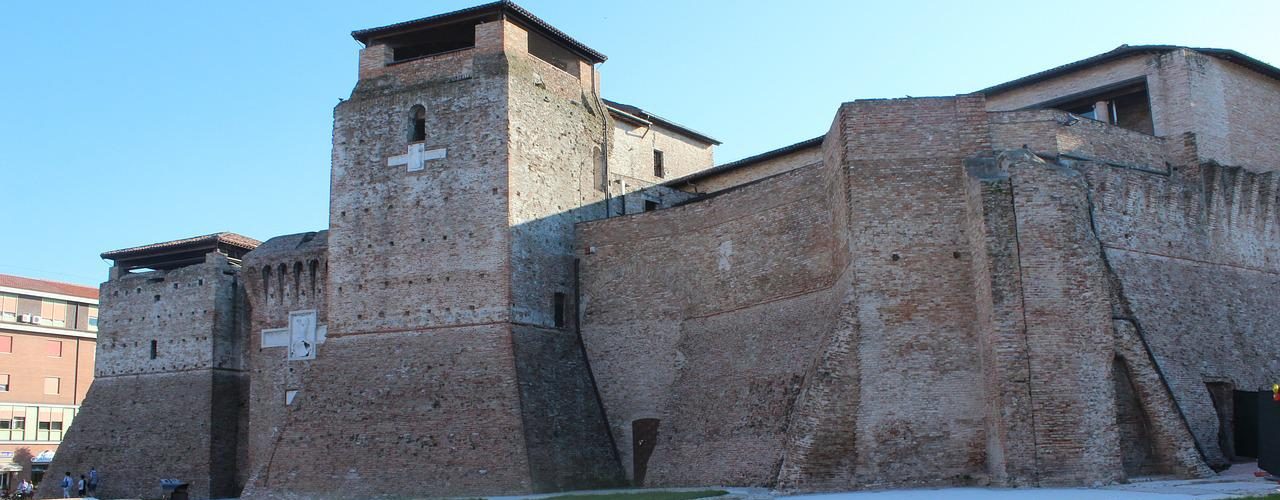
[174,489]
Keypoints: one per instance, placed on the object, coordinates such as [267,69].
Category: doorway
[644,436]
[1245,406]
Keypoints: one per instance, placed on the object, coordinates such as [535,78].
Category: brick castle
[1069,278]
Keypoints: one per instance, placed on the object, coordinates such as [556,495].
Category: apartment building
[48,333]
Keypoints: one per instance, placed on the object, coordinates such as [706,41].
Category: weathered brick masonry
[524,287]
[1005,319]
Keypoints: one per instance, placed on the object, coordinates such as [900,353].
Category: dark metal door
[1246,423]
[1268,433]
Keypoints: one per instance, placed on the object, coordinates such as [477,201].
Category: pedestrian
[66,485]
[80,487]
[93,482]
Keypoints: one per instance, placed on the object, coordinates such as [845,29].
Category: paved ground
[1236,482]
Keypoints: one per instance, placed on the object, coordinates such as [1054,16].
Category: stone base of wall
[138,429]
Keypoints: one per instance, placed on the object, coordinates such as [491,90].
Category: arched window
[297,280]
[266,281]
[283,271]
[417,124]
[313,265]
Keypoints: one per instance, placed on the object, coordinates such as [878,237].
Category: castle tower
[448,363]
[167,400]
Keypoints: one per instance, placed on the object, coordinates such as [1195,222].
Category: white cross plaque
[416,157]
[301,337]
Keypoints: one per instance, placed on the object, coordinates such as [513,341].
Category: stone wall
[987,318]
[1230,108]
[702,316]
[183,405]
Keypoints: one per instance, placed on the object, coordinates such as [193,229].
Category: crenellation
[525,287]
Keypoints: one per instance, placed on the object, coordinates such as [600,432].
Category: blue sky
[130,122]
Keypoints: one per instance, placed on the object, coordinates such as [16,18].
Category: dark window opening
[551,52]
[1128,106]
[432,41]
[418,127]
[154,349]
[558,307]
[283,271]
[659,167]
[312,266]
[297,279]
[650,205]
[266,281]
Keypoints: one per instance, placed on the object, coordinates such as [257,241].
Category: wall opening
[650,205]
[558,309]
[1126,105]
[432,41]
[297,280]
[283,271]
[659,165]
[1244,409]
[266,282]
[312,267]
[417,124]
[551,52]
[644,436]
[154,349]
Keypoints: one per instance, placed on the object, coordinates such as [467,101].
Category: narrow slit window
[154,349]
[418,124]
[659,167]
[558,307]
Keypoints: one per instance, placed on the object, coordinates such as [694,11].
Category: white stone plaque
[302,335]
[415,158]
[275,337]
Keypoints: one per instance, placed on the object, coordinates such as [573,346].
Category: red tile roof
[47,286]
[224,238]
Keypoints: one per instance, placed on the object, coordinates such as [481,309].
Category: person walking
[80,486]
[66,485]
[93,482]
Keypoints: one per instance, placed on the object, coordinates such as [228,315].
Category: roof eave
[504,7]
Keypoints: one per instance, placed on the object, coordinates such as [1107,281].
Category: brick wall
[183,406]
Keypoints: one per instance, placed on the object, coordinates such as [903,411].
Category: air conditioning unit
[36,320]
[24,318]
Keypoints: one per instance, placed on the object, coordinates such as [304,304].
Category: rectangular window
[93,322]
[19,423]
[154,349]
[558,305]
[650,205]
[659,168]
[53,348]
[52,385]
[4,382]
[6,343]
[8,307]
[6,425]
[53,313]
